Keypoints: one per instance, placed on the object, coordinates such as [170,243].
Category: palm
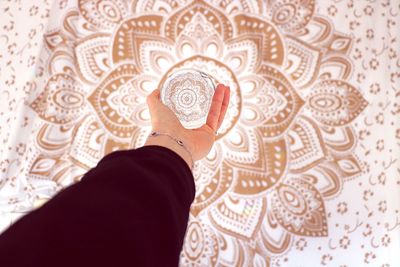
[203,138]
[198,140]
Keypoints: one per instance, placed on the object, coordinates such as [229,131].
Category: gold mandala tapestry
[305,169]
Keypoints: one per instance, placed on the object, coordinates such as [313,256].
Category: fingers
[215,109]
[157,94]
[153,97]
[224,108]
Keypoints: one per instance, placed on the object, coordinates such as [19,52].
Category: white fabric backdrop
[317,134]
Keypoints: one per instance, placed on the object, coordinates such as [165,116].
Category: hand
[200,140]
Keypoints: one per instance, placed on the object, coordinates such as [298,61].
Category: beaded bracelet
[177,140]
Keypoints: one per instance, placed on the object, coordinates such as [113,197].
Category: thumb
[153,99]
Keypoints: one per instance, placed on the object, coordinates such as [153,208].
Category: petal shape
[201,246]
[145,84]
[202,35]
[317,32]
[326,179]
[116,122]
[154,55]
[92,57]
[251,85]
[347,166]
[177,21]
[302,63]
[305,145]
[339,139]
[55,39]
[42,166]
[54,137]
[186,47]
[232,252]
[46,167]
[299,208]
[260,260]
[212,46]
[261,32]
[131,33]
[89,138]
[210,187]
[238,217]
[125,100]
[103,14]
[273,237]
[255,179]
[242,56]
[339,43]
[72,28]
[291,16]
[252,115]
[335,67]
[335,103]
[62,100]
[242,148]
[279,101]
[75,26]
[62,61]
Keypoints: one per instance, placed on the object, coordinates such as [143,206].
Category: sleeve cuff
[172,157]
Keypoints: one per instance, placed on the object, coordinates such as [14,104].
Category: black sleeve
[132,209]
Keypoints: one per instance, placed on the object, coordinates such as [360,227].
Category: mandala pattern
[288,141]
[189,95]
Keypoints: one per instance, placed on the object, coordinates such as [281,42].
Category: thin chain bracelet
[176,140]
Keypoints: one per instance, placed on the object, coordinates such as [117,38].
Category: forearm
[132,202]
[168,142]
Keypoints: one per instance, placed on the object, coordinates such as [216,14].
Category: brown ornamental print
[286,145]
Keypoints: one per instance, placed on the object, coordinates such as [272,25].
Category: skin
[199,141]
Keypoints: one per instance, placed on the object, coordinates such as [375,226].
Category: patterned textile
[305,170]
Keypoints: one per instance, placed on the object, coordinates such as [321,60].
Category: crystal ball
[188,93]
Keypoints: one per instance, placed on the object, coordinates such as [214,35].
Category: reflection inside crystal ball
[188,93]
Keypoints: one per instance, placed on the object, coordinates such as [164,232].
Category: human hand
[200,140]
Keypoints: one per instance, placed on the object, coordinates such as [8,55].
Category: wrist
[168,142]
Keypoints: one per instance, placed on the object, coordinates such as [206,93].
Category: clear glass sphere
[188,93]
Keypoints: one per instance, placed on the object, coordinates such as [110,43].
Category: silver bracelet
[152,134]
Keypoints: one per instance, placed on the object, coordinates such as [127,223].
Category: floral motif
[287,141]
